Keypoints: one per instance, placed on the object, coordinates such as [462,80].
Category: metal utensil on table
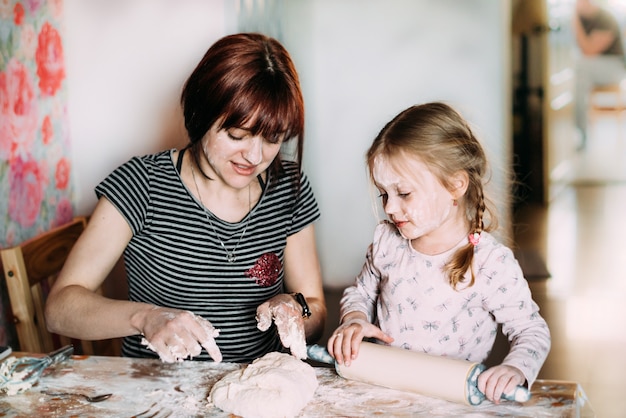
[19,374]
[95,398]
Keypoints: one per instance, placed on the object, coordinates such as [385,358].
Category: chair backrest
[30,269]
[609,98]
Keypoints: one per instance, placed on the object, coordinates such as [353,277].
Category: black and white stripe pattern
[174,258]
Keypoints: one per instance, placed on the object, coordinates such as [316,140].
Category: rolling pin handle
[320,354]
[476,397]
[520,394]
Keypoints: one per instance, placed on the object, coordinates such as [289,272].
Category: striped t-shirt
[175,259]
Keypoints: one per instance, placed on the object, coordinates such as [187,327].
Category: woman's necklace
[230,255]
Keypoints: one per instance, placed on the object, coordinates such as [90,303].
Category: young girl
[218,238]
[435,280]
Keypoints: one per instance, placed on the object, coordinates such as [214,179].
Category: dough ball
[275,385]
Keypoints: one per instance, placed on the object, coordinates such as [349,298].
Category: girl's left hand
[286,313]
[497,380]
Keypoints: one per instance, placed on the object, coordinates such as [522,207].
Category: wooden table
[150,388]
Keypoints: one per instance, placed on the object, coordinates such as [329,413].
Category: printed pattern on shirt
[409,297]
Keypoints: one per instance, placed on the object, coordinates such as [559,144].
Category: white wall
[360,62]
[126,63]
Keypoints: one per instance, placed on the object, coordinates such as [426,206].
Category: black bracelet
[306,312]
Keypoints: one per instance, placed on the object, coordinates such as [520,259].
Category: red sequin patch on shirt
[265,270]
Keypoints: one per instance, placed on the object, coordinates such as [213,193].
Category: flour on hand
[292,336]
[290,328]
[275,385]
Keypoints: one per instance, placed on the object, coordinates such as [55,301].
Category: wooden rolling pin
[396,368]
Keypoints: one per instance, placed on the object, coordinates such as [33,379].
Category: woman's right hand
[176,335]
[344,343]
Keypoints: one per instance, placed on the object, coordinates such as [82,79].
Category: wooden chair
[30,269]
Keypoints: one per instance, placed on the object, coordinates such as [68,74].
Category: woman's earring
[454,202]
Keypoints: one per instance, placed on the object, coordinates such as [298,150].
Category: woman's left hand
[286,313]
[497,380]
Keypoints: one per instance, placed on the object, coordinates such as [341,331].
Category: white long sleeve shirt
[409,297]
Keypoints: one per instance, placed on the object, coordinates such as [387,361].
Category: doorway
[544,137]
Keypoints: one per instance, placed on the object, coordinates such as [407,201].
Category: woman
[218,238]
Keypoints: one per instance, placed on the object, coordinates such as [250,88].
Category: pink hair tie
[474,238]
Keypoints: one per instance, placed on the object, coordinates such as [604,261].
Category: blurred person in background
[601,61]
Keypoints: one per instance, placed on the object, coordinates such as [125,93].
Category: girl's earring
[455,203]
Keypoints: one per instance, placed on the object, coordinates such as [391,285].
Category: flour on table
[275,385]
[12,382]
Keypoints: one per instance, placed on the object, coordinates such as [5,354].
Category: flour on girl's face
[415,199]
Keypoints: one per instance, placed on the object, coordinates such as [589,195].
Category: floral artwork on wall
[35,164]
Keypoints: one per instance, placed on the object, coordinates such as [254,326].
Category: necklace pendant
[230,256]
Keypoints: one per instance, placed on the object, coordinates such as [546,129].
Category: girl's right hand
[176,335]
[344,344]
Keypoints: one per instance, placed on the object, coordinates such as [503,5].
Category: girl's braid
[479,224]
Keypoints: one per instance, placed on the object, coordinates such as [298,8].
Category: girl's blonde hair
[444,141]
